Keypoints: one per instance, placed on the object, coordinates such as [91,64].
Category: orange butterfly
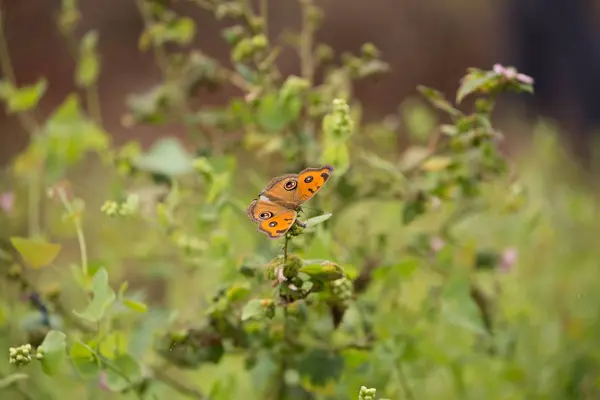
[277,206]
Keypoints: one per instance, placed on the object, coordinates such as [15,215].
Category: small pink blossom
[7,202]
[526,79]
[437,244]
[103,381]
[508,259]
[511,73]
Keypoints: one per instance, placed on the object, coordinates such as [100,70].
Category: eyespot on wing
[311,180]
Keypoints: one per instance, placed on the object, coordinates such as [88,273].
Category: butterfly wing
[272,219]
[311,180]
[294,189]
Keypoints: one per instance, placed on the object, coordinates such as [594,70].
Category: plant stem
[190,392]
[285,248]
[93,103]
[79,230]
[264,13]
[160,54]
[33,207]
[307,70]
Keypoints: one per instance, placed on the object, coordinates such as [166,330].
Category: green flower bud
[233,34]
[257,24]
[243,50]
[366,393]
[229,10]
[260,42]
[369,51]
[324,53]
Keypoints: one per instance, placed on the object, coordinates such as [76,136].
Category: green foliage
[103,297]
[52,352]
[24,98]
[402,273]
[36,253]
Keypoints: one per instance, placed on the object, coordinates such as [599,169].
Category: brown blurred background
[425,42]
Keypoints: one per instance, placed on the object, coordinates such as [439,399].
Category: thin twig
[79,230]
[190,392]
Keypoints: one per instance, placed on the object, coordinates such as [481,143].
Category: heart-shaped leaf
[36,253]
[103,298]
[84,359]
[166,156]
[53,348]
[129,374]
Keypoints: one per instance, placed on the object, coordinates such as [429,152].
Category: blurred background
[429,43]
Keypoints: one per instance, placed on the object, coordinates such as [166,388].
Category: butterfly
[277,206]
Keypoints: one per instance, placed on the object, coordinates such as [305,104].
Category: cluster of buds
[22,355]
[342,290]
[366,393]
[127,208]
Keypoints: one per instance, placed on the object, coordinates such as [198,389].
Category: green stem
[34,205]
[79,230]
[285,248]
[93,103]
[264,12]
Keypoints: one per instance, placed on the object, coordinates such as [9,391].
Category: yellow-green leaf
[36,253]
[24,98]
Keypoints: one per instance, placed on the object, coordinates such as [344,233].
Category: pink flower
[7,202]
[508,259]
[526,79]
[437,244]
[103,381]
[511,73]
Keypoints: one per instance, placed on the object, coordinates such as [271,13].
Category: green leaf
[320,366]
[254,308]
[181,30]
[473,83]
[420,121]
[12,378]
[380,163]
[407,267]
[88,67]
[69,135]
[413,208]
[136,306]
[317,220]
[324,271]
[24,98]
[166,156]
[103,298]
[129,374]
[438,100]
[271,115]
[238,292]
[35,252]
[53,348]
[458,306]
[84,360]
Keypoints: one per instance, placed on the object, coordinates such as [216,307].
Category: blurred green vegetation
[444,271]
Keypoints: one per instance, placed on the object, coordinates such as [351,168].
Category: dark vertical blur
[557,42]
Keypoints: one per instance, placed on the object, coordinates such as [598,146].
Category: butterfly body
[277,206]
